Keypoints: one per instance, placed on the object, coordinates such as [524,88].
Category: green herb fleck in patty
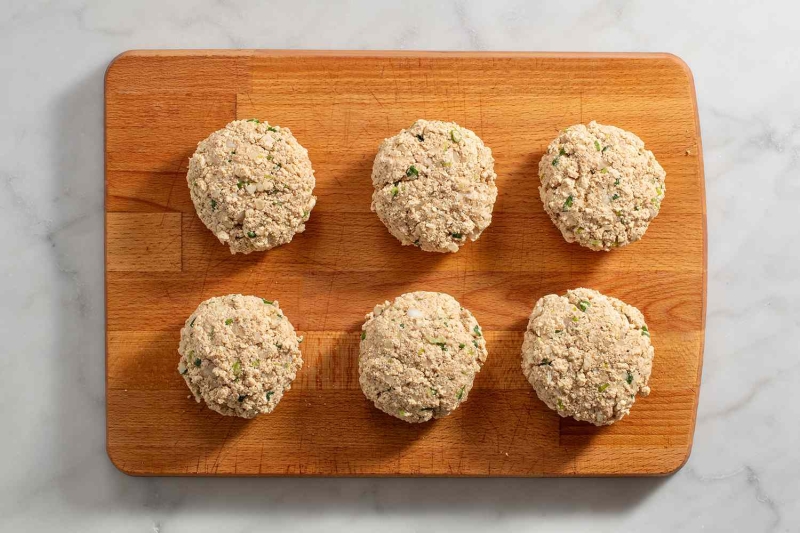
[556,158]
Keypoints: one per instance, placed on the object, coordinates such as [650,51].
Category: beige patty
[251,184]
[239,354]
[587,355]
[600,186]
[434,185]
[419,356]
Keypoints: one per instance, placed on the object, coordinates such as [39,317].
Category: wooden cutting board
[161,261]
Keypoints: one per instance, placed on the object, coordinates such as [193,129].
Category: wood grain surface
[161,262]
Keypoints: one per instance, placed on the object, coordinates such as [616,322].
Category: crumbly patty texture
[600,186]
[251,184]
[419,356]
[587,355]
[434,185]
[239,354]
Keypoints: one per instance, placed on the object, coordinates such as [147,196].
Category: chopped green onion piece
[269,394]
[597,145]
[567,203]
[254,120]
[394,191]
[455,135]
[575,319]
[461,392]
[583,305]
[197,362]
[658,191]
[447,164]
[457,235]
[213,204]
[546,362]
[559,330]
[191,324]
[475,343]
[412,171]
[579,231]
[645,331]
[438,341]
[272,129]
[416,243]
[461,345]
[560,405]
[556,158]
[402,325]
[363,335]
[602,387]
[615,196]
[604,149]
[420,138]
[629,378]
[237,367]
[616,181]
[268,302]
[251,234]
[269,157]
[604,170]
[228,321]
[477,330]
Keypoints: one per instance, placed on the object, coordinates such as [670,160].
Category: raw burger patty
[251,184]
[239,354]
[600,186]
[434,185]
[419,356]
[587,355]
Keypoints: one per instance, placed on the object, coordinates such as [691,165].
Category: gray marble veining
[54,474]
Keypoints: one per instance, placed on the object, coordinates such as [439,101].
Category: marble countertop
[54,473]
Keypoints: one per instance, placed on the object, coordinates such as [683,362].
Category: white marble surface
[54,473]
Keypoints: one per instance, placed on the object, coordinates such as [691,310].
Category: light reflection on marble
[54,474]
